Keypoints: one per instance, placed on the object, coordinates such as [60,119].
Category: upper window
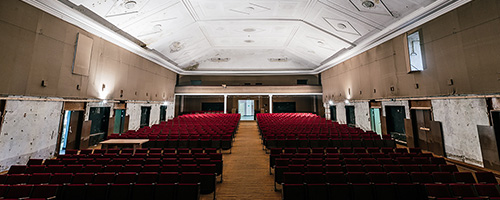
[415,52]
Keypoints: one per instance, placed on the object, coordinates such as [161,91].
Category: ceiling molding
[416,18]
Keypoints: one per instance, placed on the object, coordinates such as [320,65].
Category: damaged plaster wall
[134,111]
[362,114]
[30,130]
[459,118]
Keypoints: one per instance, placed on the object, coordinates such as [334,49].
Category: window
[302,82]
[415,52]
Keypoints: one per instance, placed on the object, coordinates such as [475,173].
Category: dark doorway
[396,122]
[333,113]
[212,106]
[119,120]
[350,116]
[163,113]
[72,130]
[145,114]
[495,118]
[284,107]
[99,127]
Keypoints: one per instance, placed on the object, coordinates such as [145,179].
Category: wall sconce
[103,87]
[330,102]
[224,86]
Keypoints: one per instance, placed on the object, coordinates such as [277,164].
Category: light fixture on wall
[224,86]
[104,101]
[165,103]
[103,87]
[346,101]
[330,102]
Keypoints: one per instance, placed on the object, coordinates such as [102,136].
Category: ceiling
[255,36]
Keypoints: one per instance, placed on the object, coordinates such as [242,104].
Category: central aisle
[246,170]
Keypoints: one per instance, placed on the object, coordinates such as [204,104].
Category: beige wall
[241,80]
[37,46]
[462,45]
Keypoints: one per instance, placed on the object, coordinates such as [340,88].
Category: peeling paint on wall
[30,130]
[459,118]
[134,111]
[362,114]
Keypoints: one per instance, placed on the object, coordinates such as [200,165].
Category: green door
[119,120]
[375,119]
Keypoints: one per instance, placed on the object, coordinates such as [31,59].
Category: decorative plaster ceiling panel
[339,22]
[315,45]
[249,60]
[244,9]
[252,35]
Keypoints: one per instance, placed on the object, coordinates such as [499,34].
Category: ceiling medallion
[129,4]
[368,4]
[341,26]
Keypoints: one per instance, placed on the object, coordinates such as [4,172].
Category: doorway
[333,113]
[421,123]
[375,120]
[495,118]
[350,116]
[212,106]
[72,131]
[246,109]
[163,113]
[99,127]
[145,114]
[119,120]
[396,123]
[284,107]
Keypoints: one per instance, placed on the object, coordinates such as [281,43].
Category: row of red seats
[89,186]
[141,150]
[195,125]
[391,191]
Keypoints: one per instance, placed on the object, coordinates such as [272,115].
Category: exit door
[145,114]
[333,113]
[163,113]
[395,122]
[119,120]
[375,120]
[350,116]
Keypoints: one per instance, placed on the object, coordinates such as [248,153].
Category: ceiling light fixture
[341,26]
[129,4]
[368,4]
[249,41]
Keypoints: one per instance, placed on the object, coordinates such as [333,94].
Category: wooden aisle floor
[246,169]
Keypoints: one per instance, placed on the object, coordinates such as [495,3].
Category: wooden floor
[246,169]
